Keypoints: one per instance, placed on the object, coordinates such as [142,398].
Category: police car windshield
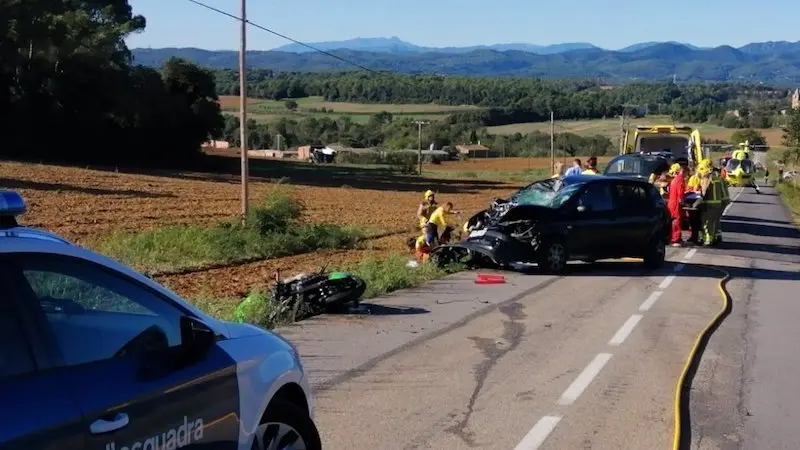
[550,193]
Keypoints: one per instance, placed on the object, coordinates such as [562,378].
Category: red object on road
[483,278]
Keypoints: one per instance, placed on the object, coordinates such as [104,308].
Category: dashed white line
[647,304]
[538,434]
[736,197]
[625,330]
[666,282]
[584,379]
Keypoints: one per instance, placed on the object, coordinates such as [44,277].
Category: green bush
[272,230]
[277,213]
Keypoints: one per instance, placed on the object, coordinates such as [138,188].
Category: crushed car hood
[523,212]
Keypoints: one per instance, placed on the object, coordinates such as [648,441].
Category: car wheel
[656,253]
[286,427]
[553,257]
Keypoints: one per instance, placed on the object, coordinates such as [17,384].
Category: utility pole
[552,143]
[419,123]
[243,111]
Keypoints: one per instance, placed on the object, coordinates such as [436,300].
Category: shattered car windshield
[548,193]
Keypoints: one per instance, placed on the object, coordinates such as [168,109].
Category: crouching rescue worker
[426,208]
[677,187]
[422,251]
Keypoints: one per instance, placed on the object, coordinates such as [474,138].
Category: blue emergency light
[11,205]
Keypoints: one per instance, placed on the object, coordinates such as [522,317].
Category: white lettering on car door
[187,433]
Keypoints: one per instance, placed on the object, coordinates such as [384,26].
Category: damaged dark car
[578,218]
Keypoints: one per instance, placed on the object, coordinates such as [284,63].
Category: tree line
[515,100]
[390,132]
[70,90]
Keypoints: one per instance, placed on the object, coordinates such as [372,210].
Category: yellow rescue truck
[680,143]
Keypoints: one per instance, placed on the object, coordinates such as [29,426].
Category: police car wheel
[286,427]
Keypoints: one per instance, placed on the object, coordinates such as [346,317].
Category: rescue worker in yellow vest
[591,167]
[426,208]
[715,198]
[725,197]
[693,198]
[442,219]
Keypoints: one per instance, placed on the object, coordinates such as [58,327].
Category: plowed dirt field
[82,204]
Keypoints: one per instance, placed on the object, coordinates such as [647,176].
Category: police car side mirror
[197,338]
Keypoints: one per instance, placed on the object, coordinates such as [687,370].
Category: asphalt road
[588,360]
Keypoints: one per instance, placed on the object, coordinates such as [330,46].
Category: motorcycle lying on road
[305,295]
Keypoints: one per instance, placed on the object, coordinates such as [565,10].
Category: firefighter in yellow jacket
[715,199]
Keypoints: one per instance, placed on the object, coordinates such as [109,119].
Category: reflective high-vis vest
[725,196]
[712,196]
[717,195]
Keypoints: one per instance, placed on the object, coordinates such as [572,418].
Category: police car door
[124,355]
[36,412]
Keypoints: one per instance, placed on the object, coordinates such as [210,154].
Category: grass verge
[790,194]
[515,176]
[273,229]
[381,276]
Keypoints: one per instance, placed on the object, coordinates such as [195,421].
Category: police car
[96,356]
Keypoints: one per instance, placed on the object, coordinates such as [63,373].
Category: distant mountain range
[771,62]
[397,45]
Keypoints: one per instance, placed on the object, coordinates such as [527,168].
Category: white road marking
[584,379]
[625,330]
[538,434]
[689,254]
[647,304]
[736,197]
[666,282]
[679,267]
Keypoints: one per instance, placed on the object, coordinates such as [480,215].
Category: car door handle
[101,426]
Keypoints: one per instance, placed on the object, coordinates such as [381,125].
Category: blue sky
[179,23]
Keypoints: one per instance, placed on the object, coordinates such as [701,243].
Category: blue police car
[96,356]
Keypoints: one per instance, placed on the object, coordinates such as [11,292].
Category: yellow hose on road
[693,361]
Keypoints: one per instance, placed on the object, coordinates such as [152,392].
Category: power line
[233,16]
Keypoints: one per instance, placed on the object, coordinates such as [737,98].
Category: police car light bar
[11,204]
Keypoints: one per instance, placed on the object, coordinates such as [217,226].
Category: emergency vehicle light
[11,204]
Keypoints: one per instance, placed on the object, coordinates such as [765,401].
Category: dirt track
[82,204]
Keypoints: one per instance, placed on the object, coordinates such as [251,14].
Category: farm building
[429,155]
[475,151]
[275,154]
[216,144]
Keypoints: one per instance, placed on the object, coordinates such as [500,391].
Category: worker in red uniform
[677,187]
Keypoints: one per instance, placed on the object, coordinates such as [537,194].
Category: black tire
[281,413]
[656,253]
[552,257]
[351,293]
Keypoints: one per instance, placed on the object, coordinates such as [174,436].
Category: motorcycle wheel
[350,291]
